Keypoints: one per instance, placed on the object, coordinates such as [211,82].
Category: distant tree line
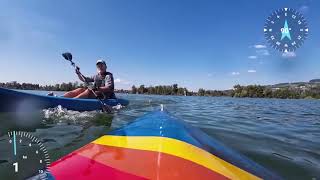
[29,86]
[251,91]
[203,92]
[161,90]
[296,92]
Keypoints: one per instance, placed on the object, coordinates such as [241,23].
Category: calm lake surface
[281,135]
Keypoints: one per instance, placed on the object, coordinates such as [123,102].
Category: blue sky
[195,43]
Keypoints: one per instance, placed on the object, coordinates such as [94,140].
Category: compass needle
[285,31]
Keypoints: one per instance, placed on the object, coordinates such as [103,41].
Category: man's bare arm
[82,77]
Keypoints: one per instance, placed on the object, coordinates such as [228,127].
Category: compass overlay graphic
[286,29]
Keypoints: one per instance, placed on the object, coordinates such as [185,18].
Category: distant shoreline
[301,90]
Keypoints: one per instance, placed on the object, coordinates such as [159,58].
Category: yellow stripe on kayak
[177,148]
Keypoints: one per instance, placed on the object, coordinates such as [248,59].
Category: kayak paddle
[105,108]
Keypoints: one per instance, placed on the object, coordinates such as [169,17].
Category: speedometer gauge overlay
[286,29]
[22,156]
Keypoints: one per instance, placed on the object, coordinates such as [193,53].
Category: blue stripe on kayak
[161,124]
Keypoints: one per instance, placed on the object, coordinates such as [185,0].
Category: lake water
[281,135]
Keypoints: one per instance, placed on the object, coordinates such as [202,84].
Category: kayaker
[103,84]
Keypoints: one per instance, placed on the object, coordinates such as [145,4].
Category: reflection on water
[282,135]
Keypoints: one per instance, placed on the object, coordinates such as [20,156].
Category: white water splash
[62,115]
[118,107]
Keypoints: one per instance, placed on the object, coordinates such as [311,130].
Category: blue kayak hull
[14,101]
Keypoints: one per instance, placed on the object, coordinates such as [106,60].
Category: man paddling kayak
[103,84]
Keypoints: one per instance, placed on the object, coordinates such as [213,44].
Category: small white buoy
[161,107]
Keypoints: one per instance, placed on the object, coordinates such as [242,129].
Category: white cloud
[260,46]
[252,71]
[252,57]
[117,80]
[262,52]
[209,75]
[121,81]
[289,55]
[235,73]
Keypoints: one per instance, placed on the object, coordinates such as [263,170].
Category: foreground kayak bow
[157,146]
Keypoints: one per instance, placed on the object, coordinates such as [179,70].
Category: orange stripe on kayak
[148,164]
[177,148]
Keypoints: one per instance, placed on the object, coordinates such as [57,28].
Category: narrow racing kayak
[156,146]
[13,101]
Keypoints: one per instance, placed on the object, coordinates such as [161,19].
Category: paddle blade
[67,56]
